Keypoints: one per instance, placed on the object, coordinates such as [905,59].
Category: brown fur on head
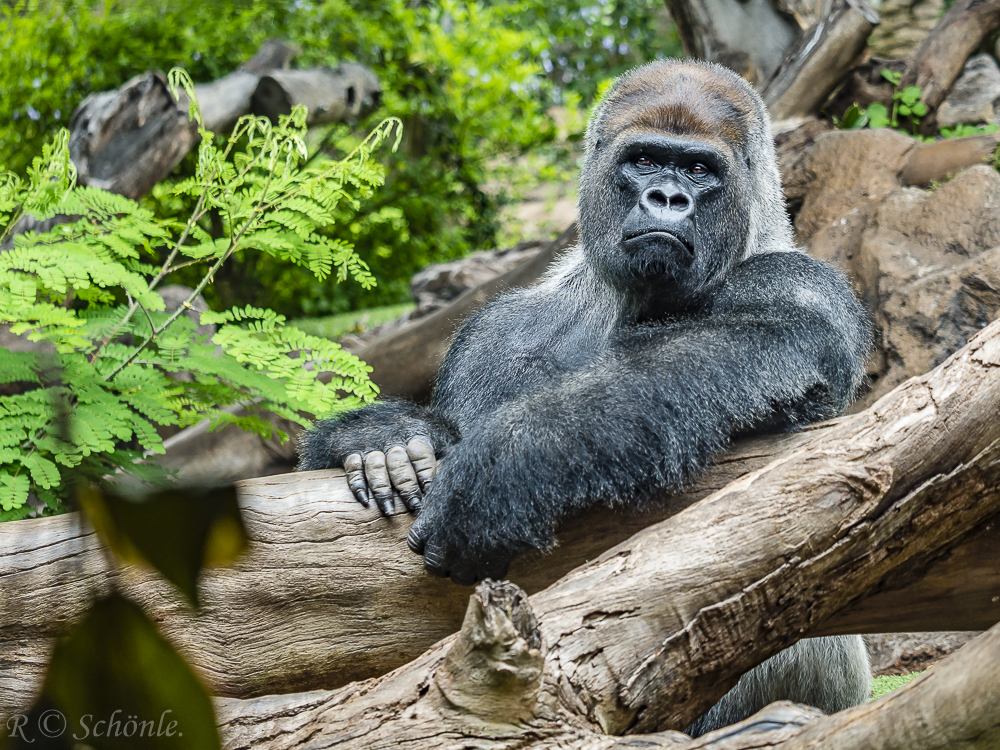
[702,101]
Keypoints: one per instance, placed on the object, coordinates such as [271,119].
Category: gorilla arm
[783,346]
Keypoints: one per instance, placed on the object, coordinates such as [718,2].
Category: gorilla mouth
[660,236]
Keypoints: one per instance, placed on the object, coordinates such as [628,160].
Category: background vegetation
[472,83]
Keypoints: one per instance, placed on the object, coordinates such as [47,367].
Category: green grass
[888,683]
[335,326]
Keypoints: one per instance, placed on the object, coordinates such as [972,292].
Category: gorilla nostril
[679,202]
[657,198]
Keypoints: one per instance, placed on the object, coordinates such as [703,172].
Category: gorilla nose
[666,202]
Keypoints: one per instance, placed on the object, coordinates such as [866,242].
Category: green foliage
[470,81]
[115,683]
[905,103]
[967,131]
[175,531]
[87,292]
[888,683]
[335,326]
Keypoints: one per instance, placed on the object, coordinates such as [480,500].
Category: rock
[929,266]
[846,175]
[437,285]
[902,653]
[975,97]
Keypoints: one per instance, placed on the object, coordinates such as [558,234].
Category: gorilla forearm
[648,415]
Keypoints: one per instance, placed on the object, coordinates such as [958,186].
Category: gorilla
[684,318]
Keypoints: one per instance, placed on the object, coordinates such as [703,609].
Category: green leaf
[13,490]
[175,531]
[43,472]
[854,119]
[878,115]
[892,76]
[114,683]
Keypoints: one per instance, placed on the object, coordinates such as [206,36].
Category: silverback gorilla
[685,317]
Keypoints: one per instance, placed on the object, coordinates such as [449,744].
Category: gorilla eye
[698,170]
[643,161]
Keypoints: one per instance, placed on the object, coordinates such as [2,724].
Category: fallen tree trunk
[815,65]
[940,59]
[330,95]
[492,686]
[920,462]
[650,634]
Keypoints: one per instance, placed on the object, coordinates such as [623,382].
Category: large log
[350,90]
[815,65]
[651,633]
[320,564]
[493,687]
[940,59]
[751,37]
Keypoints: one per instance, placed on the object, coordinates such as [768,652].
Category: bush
[461,79]
[112,362]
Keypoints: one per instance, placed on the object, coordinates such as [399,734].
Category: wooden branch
[817,63]
[224,101]
[942,160]
[350,90]
[940,59]
[727,32]
[492,686]
[127,140]
[652,632]
[319,563]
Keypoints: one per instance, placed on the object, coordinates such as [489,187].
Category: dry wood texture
[491,686]
[815,65]
[845,511]
[127,140]
[939,61]
[750,37]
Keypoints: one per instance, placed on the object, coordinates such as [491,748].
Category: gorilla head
[679,182]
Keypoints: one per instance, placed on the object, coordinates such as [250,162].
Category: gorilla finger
[464,574]
[378,480]
[435,560]
[421,455]
[417,538]
[355,469]
[495,568]
[403,477]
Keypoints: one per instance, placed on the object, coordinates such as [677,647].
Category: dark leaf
[114,683]
[177,531]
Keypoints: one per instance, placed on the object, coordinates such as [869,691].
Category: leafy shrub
[459,75]
[87,291]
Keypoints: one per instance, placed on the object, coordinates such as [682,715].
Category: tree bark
[847,511]
[330,95]
[820,59]
[939,61]
[127,140]
[750,37]
[496,685]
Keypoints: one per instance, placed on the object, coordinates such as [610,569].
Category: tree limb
[843,512]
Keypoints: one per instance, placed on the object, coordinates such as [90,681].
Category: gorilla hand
[480,513]
[388,451]
[401,471]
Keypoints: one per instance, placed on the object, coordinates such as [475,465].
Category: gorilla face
[669,183]
[666,188]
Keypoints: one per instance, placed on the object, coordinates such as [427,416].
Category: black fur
[685,318]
